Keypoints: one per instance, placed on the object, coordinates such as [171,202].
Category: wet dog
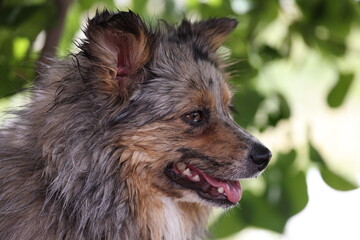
[131,138]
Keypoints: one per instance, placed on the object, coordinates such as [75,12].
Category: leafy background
[297,85]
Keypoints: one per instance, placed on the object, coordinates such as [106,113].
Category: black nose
[260,155]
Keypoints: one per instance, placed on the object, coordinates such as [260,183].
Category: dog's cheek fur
[218,152]
[147,154]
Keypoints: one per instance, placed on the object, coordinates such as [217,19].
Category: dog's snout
[260,155]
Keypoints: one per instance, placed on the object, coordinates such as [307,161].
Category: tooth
[220,190]
[196,178]
[181,166]
[187,172]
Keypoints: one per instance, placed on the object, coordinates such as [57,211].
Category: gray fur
[63,169]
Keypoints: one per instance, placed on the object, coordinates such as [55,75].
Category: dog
[131,138]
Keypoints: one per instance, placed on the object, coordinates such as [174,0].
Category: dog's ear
[118,46]
[214,31]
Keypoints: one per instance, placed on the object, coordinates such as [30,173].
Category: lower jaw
[217,201]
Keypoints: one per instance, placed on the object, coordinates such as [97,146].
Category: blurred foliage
[20,24]
[338,93]
[326,24]
[333,179]
[284,196]
[323,25]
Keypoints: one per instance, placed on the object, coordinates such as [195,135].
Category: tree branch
[53,34]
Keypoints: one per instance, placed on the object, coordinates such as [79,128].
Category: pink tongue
[232,188]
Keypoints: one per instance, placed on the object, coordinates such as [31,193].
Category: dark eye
[195,117]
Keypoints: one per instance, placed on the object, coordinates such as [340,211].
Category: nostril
[260,155]
[260,159]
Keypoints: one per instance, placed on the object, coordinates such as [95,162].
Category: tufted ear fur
[211,32]
[118,46]
[216,31]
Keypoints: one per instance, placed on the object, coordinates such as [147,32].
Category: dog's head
[168,106]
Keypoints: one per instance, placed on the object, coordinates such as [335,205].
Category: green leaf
[21,46]
[338,93]
[331,46]
[285,160]
[315,155]
[259,212]
[252,211]
[336,181]
[282,112]
[284,106]
[268,53]
[287,185]
[227,224]
[295,190]
[247,102]
[331,178]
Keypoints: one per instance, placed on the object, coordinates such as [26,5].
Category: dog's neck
[164,218]
[184,220]
[174,225]
[156,215]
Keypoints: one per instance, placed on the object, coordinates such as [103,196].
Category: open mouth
[222,192]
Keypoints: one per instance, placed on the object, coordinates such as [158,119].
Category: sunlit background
[298,90]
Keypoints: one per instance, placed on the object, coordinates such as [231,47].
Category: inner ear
[120,44]
[129,53]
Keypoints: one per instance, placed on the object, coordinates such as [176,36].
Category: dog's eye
[194,117]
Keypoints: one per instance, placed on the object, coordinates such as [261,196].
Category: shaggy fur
[92,155]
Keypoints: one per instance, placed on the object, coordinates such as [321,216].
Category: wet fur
[85,158]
